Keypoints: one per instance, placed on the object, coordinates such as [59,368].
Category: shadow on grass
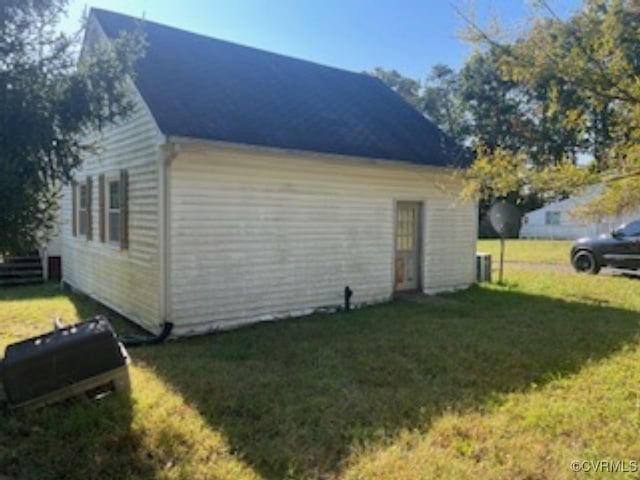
[296,397]
[77,439]
[631,274]
[30,292]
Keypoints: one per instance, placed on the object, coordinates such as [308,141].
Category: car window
[631,229]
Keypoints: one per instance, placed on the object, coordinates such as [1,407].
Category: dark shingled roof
[204,88]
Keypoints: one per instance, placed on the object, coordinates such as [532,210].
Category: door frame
[420,245]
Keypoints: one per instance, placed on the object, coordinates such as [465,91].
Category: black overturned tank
[65,362]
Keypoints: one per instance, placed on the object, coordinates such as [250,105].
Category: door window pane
[406,228]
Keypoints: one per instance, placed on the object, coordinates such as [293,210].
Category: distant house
[555,220]
[50,254]
[251,186]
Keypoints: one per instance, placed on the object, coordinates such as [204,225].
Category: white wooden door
[407,255]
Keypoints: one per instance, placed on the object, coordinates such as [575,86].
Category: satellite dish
[505,219]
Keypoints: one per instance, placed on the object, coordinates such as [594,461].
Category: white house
[51,254]
[250,186]
[555,220]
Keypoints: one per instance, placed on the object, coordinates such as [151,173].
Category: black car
[620,249]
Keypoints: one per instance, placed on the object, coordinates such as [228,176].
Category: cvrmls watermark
[605,466]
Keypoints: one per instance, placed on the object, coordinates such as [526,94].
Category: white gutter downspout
[169,151]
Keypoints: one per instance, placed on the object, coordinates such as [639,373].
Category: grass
[504,382]
[529,251]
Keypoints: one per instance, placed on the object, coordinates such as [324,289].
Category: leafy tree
[577,84]
[438,98]
[442,102]
[490,102]
[48,102]
[406,87]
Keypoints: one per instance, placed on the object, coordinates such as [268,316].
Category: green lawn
[529,251]
[500,382]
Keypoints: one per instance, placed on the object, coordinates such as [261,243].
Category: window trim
[79,186]
[109,178]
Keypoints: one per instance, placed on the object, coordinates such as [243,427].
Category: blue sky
[407,35]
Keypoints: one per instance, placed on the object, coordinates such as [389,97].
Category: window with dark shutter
[89,208]
[124,209]
[113,209]
[74,209]
[82,209]
[101,209]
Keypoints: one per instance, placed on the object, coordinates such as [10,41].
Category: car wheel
[585,262]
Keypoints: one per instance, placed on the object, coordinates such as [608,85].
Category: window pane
[114,195]
[83,196]
[114,226]
[406,229]
[409,241]
[552,218]
[82,222]
[632,229]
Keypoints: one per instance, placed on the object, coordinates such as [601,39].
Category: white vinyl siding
[254,235]
[54,246]
[128,280]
